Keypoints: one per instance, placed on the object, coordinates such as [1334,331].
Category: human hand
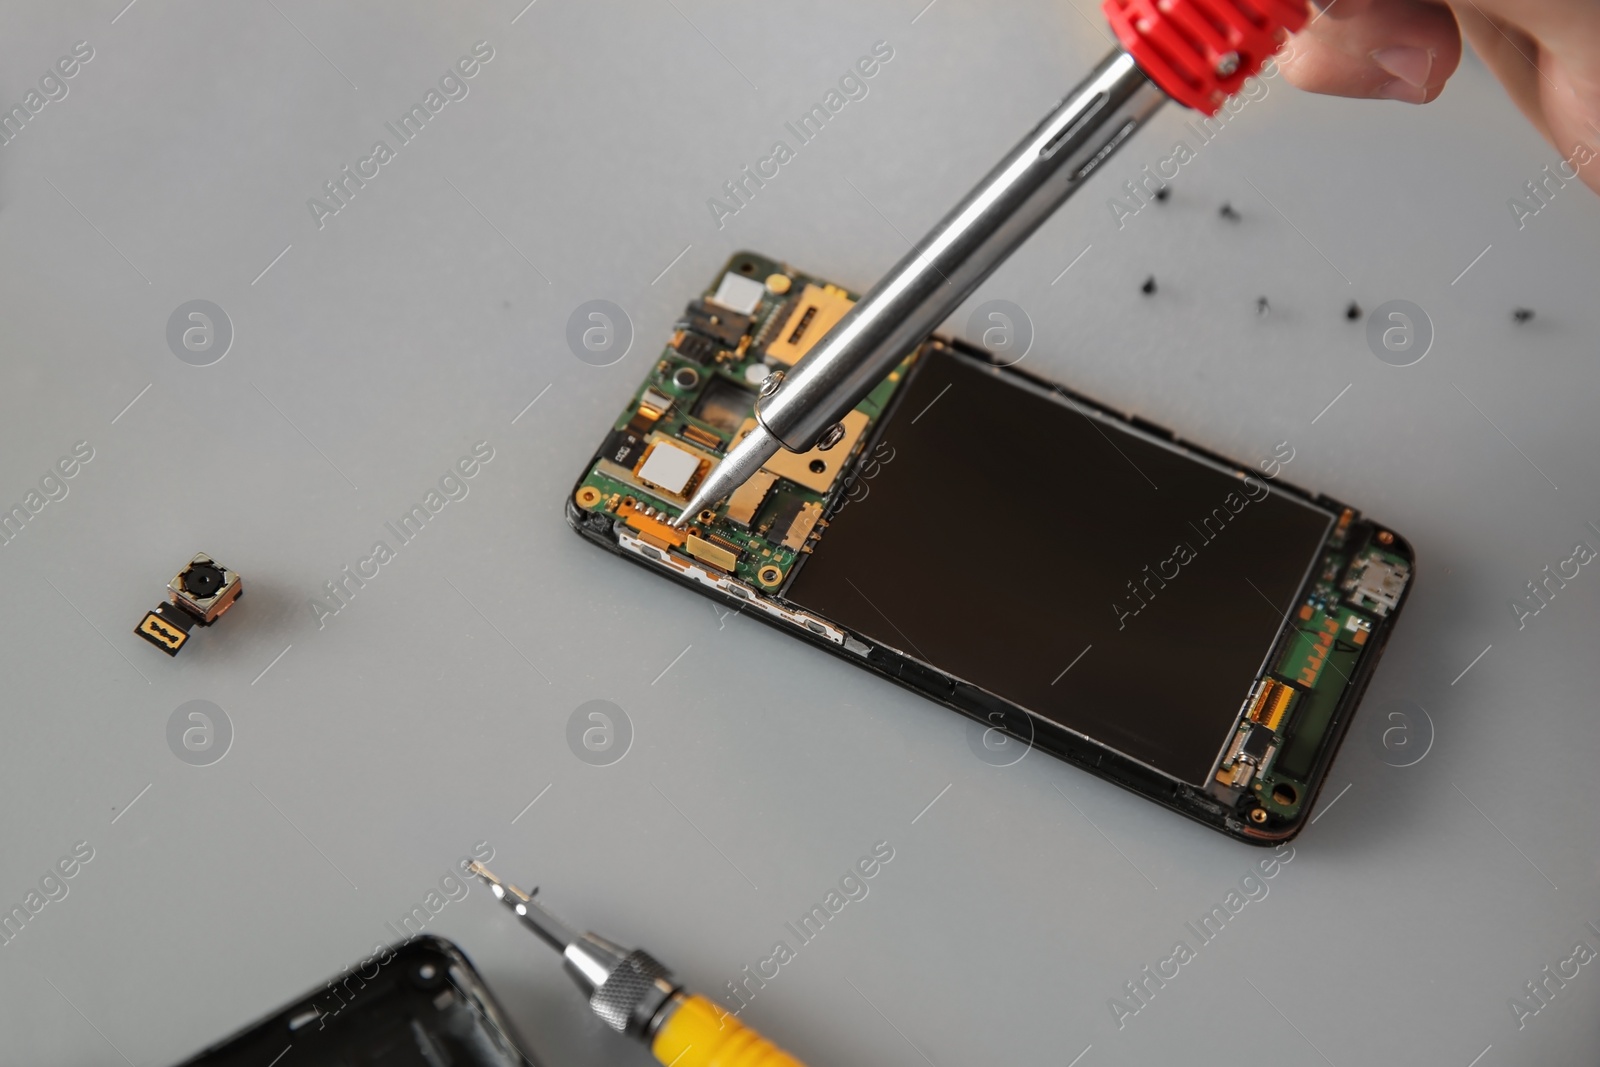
[1545,52]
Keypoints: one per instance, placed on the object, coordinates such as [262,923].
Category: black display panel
[1012,530]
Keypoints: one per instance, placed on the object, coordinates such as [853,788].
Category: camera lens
[202,580]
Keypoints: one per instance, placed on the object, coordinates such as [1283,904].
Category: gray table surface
[372,751]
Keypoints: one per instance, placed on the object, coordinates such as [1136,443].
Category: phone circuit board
[1270,762]
[697,400]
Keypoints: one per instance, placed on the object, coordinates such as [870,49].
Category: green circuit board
[1287,719]
[697,399]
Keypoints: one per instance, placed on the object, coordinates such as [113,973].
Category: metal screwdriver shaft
[941,271]
[1195,51]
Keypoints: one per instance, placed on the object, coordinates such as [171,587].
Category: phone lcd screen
[1087,572]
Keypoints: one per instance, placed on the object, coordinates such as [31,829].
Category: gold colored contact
[769,575]
[169,636]
[1271,703]
[710,553]
[1385,537]
[815,313]
[654,529]
[703,438]
[588,496]
[1258,815]
[778,283]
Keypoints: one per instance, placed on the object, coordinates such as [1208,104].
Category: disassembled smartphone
[1187,627]
[416,1004]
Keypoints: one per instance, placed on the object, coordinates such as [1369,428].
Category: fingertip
[1412,70]
[1409,64]
[1403,91]
[1389,50]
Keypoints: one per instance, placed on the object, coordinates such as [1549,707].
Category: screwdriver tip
[533,915]
[738,465]
[493,881]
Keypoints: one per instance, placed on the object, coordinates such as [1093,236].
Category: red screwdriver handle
[1201,51]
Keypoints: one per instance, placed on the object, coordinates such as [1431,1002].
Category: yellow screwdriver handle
[699,1034]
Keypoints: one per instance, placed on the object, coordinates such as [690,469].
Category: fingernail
[1395,89]
[1410,65]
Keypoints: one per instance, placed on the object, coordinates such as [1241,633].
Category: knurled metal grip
[631,994]
[1201,51]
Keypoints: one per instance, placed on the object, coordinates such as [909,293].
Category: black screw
[1353,312]
[1163,192]
[1227,212]
[1149,285]
[1522,315]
